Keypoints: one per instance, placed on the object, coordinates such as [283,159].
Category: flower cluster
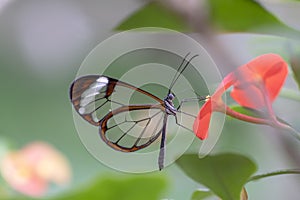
[255,85]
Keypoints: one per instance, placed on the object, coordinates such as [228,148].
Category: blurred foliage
[148,187]
[244,16]
[224,174]
[201,194]
[154,15]
[295,65]
[112,187]
[225,16]
[34,107]
[4,147]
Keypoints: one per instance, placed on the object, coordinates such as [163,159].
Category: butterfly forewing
[90,94]
[94,96]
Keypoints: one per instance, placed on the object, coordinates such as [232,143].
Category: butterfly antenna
[177,75]
[181,64]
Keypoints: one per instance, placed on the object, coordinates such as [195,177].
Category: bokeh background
[42,45]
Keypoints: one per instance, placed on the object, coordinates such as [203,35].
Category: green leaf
[244,16]
[228,16]
[201,194]
[126,188]
[224,174]
[154,15]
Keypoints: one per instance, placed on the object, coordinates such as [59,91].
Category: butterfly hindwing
[130,128]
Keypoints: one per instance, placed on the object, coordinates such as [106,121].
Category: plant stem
[247,118]
[273,123]
[276,173]
[268,103]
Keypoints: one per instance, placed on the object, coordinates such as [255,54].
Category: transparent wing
[94,96]
[187,112]
[130,128]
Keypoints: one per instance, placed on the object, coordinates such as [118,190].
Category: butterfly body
[169,105]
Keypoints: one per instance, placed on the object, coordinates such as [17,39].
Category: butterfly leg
[196,99]
[162,151]
[182,126]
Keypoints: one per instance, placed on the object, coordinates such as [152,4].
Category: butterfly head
[171,96]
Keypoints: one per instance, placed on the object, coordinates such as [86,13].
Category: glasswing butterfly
[123,126]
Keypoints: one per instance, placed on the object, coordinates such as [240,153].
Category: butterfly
[128,127]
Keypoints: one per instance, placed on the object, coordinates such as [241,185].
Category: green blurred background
[42,45]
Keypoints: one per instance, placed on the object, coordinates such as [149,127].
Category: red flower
[255,85]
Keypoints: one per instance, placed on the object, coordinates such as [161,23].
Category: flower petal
[30,169]
[250,97]
[48,163]
[262,76]
[226,83]
[276,75]
[201,124]
[18,173]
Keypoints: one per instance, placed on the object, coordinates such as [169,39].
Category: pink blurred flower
[31,169]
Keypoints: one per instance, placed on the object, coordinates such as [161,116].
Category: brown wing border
[79,85]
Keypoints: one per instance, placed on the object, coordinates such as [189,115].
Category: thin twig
[276,173]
